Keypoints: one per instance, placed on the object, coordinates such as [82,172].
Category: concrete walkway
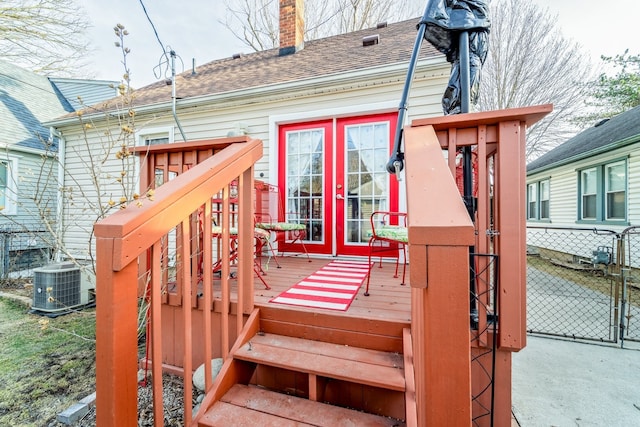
[563,383]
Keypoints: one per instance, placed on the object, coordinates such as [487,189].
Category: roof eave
[597,151]
[274,89]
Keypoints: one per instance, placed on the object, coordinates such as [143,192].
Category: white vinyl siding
[82,93]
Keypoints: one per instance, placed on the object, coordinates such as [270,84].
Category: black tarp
[445,21]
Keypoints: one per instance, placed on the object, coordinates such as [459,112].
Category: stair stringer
[233,371]
[411,407]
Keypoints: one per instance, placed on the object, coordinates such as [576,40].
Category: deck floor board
[388,299]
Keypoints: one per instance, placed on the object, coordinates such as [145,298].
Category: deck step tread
[358,365]
[251,406]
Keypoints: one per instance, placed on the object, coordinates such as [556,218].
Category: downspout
[54,133]
[173,93]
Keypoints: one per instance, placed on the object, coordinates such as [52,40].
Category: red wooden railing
[441,233]
[134,246]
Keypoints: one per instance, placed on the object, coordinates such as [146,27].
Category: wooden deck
[388,300]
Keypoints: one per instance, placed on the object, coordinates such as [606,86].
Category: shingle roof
[328,56]
[593,140]
[26,100]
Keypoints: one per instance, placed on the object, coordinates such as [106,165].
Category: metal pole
[173,94]
[467,167]
[396,162]
[465,107]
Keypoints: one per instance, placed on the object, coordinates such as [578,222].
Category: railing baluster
[207,285]
[156,330]
[225,272]
[245,246]
[186,319]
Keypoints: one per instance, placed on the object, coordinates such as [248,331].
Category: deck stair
[253,406]
[296,381]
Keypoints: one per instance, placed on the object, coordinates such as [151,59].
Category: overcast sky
[192,29]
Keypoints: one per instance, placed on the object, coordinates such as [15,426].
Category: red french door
[332,183]
[305,153]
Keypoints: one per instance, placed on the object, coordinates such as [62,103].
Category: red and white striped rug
[333,287]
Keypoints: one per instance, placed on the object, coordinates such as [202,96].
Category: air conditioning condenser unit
[56,287]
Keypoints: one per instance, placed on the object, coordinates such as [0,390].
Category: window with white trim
[532,201]
[8,190]
[603,192]
[538,200]
[155,136]
[544,199]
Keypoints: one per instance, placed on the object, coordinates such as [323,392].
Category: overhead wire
[164,60]
[168,62]
[152,25]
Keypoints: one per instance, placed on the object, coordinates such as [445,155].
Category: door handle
[339,197]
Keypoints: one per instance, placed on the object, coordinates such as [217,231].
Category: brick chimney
[291,26]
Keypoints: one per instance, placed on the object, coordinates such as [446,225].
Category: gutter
[275,89]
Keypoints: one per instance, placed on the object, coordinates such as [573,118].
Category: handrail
[131,246]
[187,191]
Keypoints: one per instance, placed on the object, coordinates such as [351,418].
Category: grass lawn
[46,365]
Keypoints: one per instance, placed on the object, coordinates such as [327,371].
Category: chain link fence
[583,283]
[21,251]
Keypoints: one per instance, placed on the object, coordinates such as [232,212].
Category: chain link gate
[629,320]
[572,283]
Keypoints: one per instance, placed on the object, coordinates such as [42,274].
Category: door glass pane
[367,183]
[305,166]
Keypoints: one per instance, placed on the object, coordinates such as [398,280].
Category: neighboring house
[28,165]
[591,181]
[325,109]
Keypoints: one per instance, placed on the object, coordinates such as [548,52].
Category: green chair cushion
[392,232]
[281,226]
[233,231]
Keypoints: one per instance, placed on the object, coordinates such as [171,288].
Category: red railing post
[116,340]
[440,233]
[497,139]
